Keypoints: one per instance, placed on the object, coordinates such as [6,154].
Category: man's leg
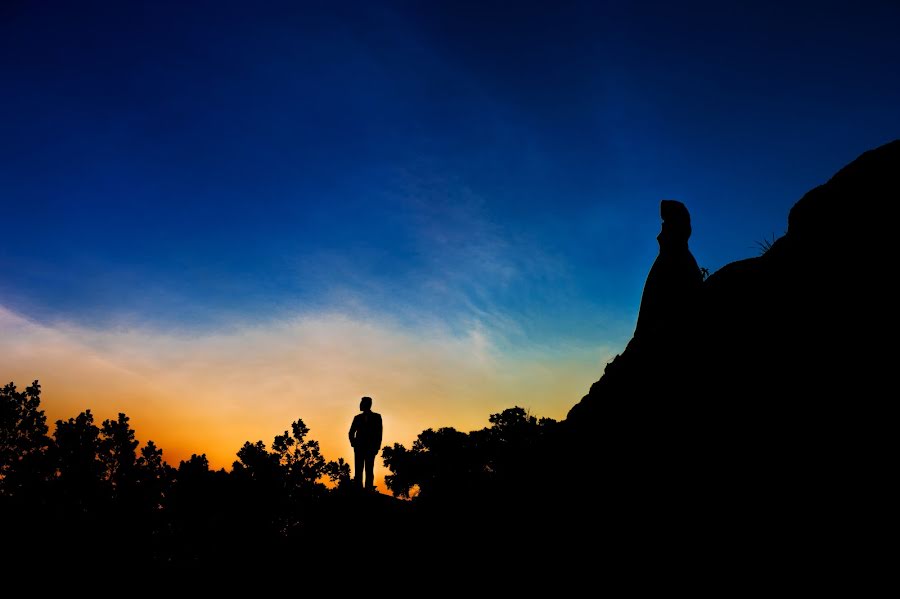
[370,471]
[359,459]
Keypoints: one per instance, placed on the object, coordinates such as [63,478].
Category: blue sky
[193,162]
[453,203]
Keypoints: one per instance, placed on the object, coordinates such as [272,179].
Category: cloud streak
[459,325]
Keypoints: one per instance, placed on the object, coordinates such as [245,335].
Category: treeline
[92,486]
[89,492]
[447,464]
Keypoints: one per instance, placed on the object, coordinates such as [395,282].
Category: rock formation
[671,291]
[769,410]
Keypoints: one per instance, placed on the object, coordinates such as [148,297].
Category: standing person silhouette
[365,437]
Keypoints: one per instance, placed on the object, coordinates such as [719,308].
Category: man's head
[365,404]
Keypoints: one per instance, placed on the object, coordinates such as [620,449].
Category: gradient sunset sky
[219,217]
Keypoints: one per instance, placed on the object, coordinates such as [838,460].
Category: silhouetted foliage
[78,457]
[24,445]
[96,487]
[90,485]
[117,453]
[766,244]
[446,462]
[338,472]
[153,477]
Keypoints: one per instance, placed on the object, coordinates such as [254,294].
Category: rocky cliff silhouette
[757,399]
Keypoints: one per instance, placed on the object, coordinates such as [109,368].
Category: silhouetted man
[365,437]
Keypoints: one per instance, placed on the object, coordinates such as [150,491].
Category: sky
[219,217]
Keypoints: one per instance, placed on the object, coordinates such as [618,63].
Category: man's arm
[353,428]
[378,431]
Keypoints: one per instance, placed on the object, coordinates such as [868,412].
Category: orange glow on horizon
[211,393]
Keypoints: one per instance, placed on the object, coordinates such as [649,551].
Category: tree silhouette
[25,462]
[338,473]
[153,480]
[446,463]
[151,464]
[78,463]
[117,453]
[256,463]
[295,461]
[300,458]
[281,486]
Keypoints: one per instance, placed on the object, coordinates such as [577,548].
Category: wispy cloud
[456,264]
[445,335]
